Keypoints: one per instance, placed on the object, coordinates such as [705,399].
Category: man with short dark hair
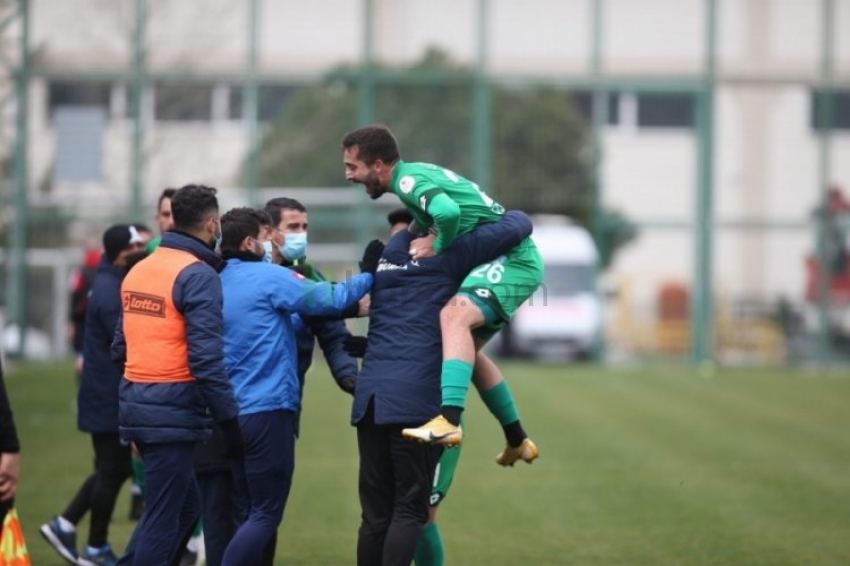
[261,362]
[448,206]
[289,248]
[174,375]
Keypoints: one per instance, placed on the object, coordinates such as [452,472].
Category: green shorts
[444,474]
[498,288]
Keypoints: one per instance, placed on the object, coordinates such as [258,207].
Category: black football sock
[514,433]
[452,414]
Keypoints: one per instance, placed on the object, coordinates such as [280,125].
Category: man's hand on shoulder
[423,247]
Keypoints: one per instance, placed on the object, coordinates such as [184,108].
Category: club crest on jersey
[406,184]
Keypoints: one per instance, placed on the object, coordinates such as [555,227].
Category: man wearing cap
[97,409]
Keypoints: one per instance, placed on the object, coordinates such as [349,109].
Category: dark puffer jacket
[183,411]
[97,399]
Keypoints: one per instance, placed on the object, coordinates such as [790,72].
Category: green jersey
[439,198]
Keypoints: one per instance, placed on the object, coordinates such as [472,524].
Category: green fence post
[702,317]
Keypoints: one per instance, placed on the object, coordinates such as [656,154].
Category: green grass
[650,466]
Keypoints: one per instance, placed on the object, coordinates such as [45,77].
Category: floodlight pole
[482,108]
[702,303]
[600,119]
[17,298]
[366,110]
[249,103]
[136,96]
[825,117]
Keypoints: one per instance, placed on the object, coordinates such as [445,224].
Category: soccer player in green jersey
[449,205]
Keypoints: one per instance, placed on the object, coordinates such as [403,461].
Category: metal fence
[716,127]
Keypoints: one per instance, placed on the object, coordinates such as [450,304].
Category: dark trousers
[100,490]
[395,485]
[172,504]
[262,481]
[218,511]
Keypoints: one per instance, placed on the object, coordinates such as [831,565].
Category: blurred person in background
[97,410]
[262,364]
[144,232]
[81,281]
[447,206]
[175,384]
[164,218]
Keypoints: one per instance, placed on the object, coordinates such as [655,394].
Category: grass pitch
[643,466]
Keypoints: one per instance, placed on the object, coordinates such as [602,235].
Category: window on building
[271,99]
[583,102]
[67,93]
[665,110]
[184,102]
[840,109]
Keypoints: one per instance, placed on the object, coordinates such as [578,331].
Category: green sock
[429,549]
[138,473]
[501,403]
[454,382]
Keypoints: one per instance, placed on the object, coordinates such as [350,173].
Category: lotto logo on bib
[142,303]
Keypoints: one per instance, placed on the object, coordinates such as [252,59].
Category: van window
[567,279]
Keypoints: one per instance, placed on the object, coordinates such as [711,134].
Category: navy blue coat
[97,398]
[401,368]
[180,412]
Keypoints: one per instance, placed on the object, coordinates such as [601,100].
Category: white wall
[767,153]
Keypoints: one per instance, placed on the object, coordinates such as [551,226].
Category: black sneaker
[64,542]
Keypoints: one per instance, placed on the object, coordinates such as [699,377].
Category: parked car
[563,318]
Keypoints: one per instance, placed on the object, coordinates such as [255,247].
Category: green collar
[396,173]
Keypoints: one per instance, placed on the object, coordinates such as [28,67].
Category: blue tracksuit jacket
[259,339]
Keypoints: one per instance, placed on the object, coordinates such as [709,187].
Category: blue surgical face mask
[267,251]
[295,246]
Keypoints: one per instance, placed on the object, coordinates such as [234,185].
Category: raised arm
[294,293]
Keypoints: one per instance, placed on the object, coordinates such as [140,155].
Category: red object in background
[673,302]
[839,285]
[836,202]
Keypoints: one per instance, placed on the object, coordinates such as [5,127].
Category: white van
[563,318]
